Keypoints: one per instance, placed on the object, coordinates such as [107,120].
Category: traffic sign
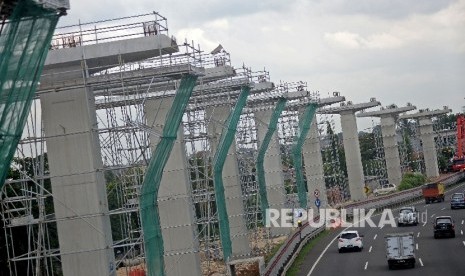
[317,203]
[316,193]
[366,189]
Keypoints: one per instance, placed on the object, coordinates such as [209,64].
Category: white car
[407,216]
[349,240]
[385,189]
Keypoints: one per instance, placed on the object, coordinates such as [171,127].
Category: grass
[295,267]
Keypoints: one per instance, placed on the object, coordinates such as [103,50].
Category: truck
[433,192]
[400,250]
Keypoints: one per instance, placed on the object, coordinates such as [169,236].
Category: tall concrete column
[351,144]
[78,184]
[217,116]
[314,167]
[273,169]
[174,199]
[429,147]
[391,149]
[352,155]
[389,117]
[427,137]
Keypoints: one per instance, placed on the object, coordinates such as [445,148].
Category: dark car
[457,201]
[444,226]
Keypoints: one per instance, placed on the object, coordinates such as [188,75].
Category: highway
[445,256]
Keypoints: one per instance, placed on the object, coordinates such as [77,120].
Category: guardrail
[286,254]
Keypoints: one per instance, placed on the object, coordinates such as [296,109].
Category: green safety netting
[280,105]
[226,139]
[24,46]
[304,126]
[153,239]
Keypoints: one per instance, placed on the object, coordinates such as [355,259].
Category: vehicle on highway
[400,249]
[407,216]
[444,226]
[350,240]
[457,201]
[385,189]
[433,192]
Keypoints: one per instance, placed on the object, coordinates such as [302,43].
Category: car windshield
[443,220]
[348,236]
[405,211]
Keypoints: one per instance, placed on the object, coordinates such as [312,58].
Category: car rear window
[457,196]
[443,220]
[348,235]
[406,211]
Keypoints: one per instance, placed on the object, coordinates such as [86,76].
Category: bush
[411,180]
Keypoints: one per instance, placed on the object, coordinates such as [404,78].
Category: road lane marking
[464,243]
[421,262]
[462,221]
[369,251]
[326,249]
[416,246]
[461,232]
[366,265]
[433,215]
[418,235]
[443,209]
[375,236]
[424,223]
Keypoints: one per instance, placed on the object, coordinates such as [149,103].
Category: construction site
[128,151]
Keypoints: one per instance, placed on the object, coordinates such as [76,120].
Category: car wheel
[435,236]
[412,265]
[453,235]
[340,250]
[390,266]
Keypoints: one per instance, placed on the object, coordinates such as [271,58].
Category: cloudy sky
[398,51]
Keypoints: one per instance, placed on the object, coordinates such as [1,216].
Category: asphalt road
[444,257]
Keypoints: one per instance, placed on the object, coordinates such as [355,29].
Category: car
[385,189]
[444,226]
[407,216]
[457,201]
[349,240]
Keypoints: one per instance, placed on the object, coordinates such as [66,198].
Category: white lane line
[416,246]
[369,251]
[433,215]
[461,232]
[464,243]
[366,265]
[418,235]
[443,209]
[462,221]
[424,223]
[375,236]
[421,262]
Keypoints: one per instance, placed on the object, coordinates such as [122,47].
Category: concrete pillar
[174,199]
[314,167]
[391,151]
[274,178]
[352,155]
[232,187]
[429,147]
[78,184]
